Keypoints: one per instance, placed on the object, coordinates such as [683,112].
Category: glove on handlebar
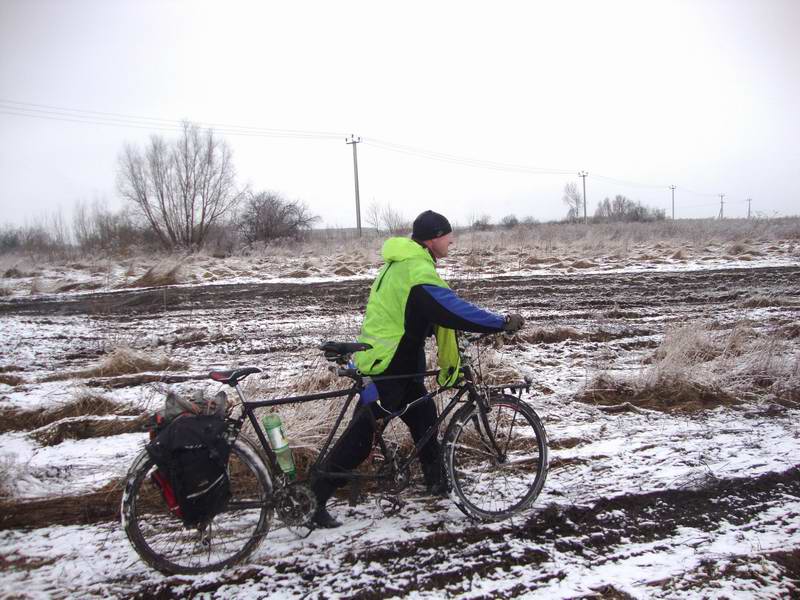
[514,322]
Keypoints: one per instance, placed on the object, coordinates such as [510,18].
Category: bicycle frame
[466,387]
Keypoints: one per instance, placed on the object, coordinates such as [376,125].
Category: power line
[462,160]
[91,117]
[116,119]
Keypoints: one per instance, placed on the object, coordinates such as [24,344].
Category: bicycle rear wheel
[162,541]
[496,463]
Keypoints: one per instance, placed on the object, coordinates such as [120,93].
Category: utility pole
[584,174]
[354,141]
[721,205]
[672,187]
[749,200]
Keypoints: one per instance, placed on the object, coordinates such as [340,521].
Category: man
[407,303]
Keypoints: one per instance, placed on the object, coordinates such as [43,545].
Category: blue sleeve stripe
[469,312]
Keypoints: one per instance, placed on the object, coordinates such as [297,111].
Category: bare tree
[181,187]
[96,227]
[267,216]
[622,208]
[574,200]
[372,216]
[482,223]
[385,218]
[509,221]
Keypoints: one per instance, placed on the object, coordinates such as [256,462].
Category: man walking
[408,302]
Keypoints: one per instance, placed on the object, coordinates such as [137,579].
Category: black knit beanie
[430,225]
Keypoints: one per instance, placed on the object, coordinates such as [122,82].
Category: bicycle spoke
[162,541]
[492,486]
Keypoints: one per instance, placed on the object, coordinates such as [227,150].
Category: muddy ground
[636,504]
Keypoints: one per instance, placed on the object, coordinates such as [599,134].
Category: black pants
[355,444]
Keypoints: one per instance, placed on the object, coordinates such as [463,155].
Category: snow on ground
[648,505]
[624,455]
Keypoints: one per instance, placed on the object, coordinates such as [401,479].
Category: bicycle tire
[489,485]
[162,541]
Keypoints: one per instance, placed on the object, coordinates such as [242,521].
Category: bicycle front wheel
[497,462]
[162,541]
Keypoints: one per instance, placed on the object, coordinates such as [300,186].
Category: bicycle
[494,453]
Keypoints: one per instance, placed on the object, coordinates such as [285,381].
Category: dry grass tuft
[124,361]
[344,271]
[82,405]
[617,313]
[92,507]
[81,428]
[583,264]
[550,336]
[679,255]
[761,301]
[698,367]
[164,273]
[12,380]
[739,248]
[791,331]
[665,395]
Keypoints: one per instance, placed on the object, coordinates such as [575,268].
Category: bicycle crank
[296,504]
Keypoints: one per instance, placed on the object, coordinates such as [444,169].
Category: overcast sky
[449,98]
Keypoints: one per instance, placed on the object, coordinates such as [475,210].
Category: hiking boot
[322,519]
[435,480]
[440,488]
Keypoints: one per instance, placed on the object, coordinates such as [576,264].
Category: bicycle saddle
[336,351]
[234,376]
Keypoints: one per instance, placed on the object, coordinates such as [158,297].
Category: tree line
[619,210]
[179,193]
[182,193]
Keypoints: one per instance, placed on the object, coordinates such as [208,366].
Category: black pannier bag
[192,452]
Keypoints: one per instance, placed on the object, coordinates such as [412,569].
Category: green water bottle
[279,443]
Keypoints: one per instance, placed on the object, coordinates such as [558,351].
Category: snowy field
[699,498]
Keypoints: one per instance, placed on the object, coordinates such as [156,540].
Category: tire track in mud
[258,319]
[551,292]
[551,541]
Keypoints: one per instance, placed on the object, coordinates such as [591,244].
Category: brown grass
[123,361]
[92,507]
[673,395]
[81,428]
[761,301]
[739,248]
[12,380]
[164,273]
[702,365]
[550,336]
[82,405]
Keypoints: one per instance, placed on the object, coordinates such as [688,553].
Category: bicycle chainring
[296,504]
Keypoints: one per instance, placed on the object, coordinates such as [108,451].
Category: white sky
[700,94]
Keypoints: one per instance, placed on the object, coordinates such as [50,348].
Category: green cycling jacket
[407,264]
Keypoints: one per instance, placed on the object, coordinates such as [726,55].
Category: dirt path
[579,291]
[259,319]
[661,505]
[553,549]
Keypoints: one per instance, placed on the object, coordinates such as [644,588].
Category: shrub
[267,216]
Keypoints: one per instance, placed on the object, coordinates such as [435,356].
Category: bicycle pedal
[354,493]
